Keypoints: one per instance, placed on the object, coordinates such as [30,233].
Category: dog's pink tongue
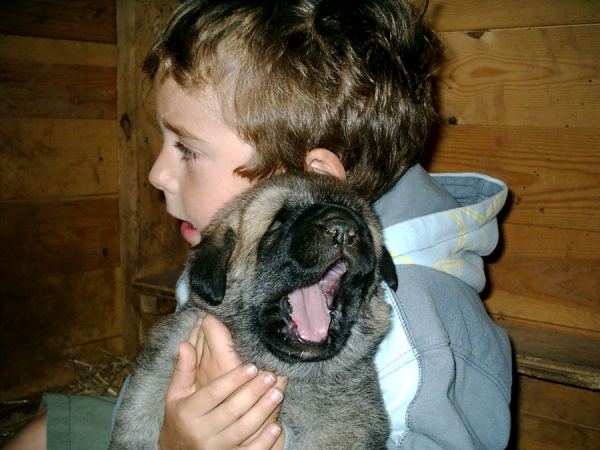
[311,304]
[310,313]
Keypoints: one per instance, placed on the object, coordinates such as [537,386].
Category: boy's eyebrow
[180,131]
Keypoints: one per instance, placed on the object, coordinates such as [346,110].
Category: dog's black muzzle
[318,264]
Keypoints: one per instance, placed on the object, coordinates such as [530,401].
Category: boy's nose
[161,175]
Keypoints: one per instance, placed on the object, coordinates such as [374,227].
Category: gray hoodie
[445,369]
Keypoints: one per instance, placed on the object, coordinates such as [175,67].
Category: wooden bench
[551,353]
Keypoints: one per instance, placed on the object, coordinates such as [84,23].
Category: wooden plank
[554,401]
[60,311]
[41,158]
[38,90]
[41,372]
[60,19]
[554,353]
[546,77]
[552,415]
[43,238]
[57,51]
[559,372]
[553,173]
[537,433]
[546,275]
[543,410]
[465,15]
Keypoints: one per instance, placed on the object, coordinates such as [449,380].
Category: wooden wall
[59,219]
[519,99]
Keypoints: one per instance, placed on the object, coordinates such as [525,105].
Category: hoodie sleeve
[460,398]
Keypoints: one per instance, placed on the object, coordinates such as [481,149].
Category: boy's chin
[193,242]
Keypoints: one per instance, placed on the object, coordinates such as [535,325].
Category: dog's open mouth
[311,305]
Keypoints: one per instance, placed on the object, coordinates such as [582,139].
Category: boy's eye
[187,153]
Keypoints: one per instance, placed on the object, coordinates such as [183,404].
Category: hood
[454,239]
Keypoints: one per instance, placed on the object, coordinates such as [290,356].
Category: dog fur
[287,232]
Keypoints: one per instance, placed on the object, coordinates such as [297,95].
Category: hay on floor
[99,379]
[94,380]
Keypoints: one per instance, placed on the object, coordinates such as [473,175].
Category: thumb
[183,381]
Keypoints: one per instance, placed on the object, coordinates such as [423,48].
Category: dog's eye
[280,219]
[276,224]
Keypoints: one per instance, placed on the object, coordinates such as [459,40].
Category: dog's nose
[343,232]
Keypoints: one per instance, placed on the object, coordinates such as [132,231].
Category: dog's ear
[208,272]
[388,270]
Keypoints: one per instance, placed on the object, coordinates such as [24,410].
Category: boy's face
[197,159]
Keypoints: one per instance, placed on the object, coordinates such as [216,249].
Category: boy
[248,88]
[345,89]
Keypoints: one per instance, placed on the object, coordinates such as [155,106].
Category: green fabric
[78,422]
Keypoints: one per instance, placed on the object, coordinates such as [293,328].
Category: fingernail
[199,321]
[251,370]
[269,379]
[276,396]
[276,430]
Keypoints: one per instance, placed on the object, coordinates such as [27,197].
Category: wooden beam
[150,241]
[554,353]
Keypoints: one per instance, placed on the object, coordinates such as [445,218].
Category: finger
[271,435]
[217,335]
[193,337]
[281,385]
[243,414]
[218,356]
[210,396]
[200,349]
[264,412]
[183,380]
[199,345]
[281,382]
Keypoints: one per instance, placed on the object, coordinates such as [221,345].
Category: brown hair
[351,76]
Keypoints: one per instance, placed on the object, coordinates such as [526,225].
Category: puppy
[294,268]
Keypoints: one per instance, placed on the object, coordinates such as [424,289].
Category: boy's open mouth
[311,305]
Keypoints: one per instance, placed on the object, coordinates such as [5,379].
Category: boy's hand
[218,403]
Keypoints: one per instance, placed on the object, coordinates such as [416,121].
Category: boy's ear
[388,270]
[208,271]
[321,160]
